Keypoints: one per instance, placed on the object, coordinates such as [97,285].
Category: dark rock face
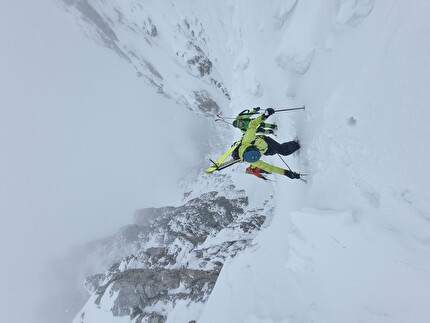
[206,103]
[202,63]
[140,289]
[171,255]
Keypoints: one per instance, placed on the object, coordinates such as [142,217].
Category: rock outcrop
[170,255]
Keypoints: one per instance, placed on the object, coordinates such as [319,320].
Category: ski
[219,164]
[228,163]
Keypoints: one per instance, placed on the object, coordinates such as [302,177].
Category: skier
[253,146]
[244,118]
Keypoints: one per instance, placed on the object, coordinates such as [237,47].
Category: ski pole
[219,117]
[290,109]
[284,162]
[282,109]
[222,118]
[301,174]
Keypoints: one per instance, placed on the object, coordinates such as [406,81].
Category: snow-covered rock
[170,254]
[352,245]
[166,45]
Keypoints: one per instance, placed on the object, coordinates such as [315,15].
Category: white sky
[83,144]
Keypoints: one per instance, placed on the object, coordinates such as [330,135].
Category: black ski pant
[274,147]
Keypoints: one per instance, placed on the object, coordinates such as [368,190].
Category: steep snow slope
[75,155]
[165,42]
[352,245]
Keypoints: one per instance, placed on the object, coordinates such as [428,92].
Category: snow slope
[354,244]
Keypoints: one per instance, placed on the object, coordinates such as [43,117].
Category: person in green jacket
[253,146]
[244,118]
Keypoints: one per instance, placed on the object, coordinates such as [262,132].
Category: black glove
[267,113]
[274,127]
[291,174]
[257,109]
[296,175]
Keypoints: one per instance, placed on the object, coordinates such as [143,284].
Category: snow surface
[353,245]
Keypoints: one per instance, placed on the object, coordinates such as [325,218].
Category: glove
[255,110]
[267,113]
[291,174]
[274,127]
[296,175]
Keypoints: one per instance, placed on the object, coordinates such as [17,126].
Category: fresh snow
[353,244]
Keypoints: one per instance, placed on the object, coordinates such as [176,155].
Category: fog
[84,142]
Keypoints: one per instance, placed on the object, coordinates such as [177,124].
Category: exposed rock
[143,288]
[206,103]
[92,283]
[102,28]
[173,254]
[138,41]
[169,255]
[200,60]
[150,28]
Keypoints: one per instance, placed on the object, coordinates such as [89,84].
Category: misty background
[84,142]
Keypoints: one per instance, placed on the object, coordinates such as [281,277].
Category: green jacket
[250,138]
[244,118]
